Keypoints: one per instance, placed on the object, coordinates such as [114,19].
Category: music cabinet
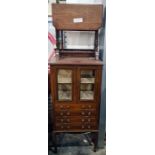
[76,73]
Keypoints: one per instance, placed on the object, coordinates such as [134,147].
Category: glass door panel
[64,84]
[64,76]
[87,82]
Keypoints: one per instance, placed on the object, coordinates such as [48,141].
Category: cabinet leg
[55,142]
[95,140]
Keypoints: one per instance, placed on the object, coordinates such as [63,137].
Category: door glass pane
[87,84]
[64,83]
[64,76]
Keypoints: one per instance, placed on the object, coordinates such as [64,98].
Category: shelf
[86,87]
[64,87]
[88,80]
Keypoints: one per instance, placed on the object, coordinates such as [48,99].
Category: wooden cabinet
[76,92]
[76,95]
[76,74]
[75,85]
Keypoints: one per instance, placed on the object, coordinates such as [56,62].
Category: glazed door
[87,84]
[65,77]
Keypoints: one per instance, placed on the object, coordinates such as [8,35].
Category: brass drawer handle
[89,106]
[89,120]
[82,113]
[83,120]
[68,106]
[83,106]
[62,120]
[61,113]
[82,126]
[68,113]
[89,113]
[61,106]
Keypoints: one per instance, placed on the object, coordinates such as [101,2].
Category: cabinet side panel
[52,84]
[99,83]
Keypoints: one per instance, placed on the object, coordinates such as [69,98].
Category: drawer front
[75,126]
[83,112]
[68,106]
[83,119]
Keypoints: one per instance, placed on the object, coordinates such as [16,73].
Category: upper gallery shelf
[77,16]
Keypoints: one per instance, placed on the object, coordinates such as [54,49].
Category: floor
[74,150]
[75,144]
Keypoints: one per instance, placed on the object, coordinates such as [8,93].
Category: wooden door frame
[79,68]
[55,84]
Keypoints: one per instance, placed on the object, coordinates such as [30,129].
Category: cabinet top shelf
[77,16]
[74,61]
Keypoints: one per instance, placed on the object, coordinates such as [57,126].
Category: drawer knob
[82,120]
[82,113]
[61,106]
[68,127]
[68,106]
[89,106]
[61,113]
[68,113]
[89,120]
[88,126]
[89,113]
[82,126]
[68,120]
[62,120]
[83,106]
[62,127]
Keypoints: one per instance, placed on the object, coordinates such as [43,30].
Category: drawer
[82,119]
[68,106]
[75,126]
[83,112]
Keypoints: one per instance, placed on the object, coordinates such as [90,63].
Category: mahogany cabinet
[75,73]
[76,95]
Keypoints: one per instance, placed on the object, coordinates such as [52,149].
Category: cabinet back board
[77,16]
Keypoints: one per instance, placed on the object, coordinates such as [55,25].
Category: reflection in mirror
[82,39]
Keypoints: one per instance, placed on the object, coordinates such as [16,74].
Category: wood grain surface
[65,16]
